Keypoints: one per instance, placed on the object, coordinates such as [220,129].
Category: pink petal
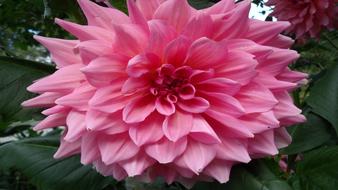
[199,26]
[102,16]
[55,109]
[219,85]
[137,164]
[91,49]
[206,53]
[282,138]
[232,25]
[175,52]
[111,170]
[232,149]
[54,120]
[103,70]
[230,125]
[278,61]
[84,32]
[161,34]
[177,125]
[263,144]
[109,99]
[224,103]
[148,7]
[201,131]
[166,151]
[67,148]
[107,122]
[262,32]
[138,110]
[89,149]
[175,12]
[64,79]
[61,50]
[76,126]
[260,122]
[46,99]
[126,35]
[116,148]
[240,67]
[133,85]
[274,84]
[136,16]
[78,99]
[255,94]
[204,153]
[164,107]
[194,105]
[149,131]
[219,169]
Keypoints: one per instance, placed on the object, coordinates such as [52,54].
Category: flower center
[173,82]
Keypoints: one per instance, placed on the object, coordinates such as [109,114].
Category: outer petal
[176,12]
[219,169]
[165,151]
[76,125]
[67,148]
[116,148]
[255,94]
[84,32]
[148,7]
[204,153]
[137,164]
[89,149]
[102,16]
[263,144]
[61,50]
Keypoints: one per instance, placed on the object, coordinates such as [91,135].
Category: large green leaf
[255,176]
[15,76]
[324,97]
[319,169]
[34,158]
[315,132]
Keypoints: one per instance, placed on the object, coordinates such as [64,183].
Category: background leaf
[34,158]
[324,96]
[315,132]
[318,170]
[15,76]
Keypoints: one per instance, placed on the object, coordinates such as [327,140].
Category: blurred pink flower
[169,90]
[307,17]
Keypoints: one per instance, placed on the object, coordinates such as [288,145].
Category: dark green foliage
[34,158]
[15,76]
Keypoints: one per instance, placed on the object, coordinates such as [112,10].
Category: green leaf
[255,176]
[200,4]
[313,133]
[319,169]
[324,97]
[15,76]
[34,158]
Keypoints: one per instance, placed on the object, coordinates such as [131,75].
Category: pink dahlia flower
[307,17]
[169,90]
